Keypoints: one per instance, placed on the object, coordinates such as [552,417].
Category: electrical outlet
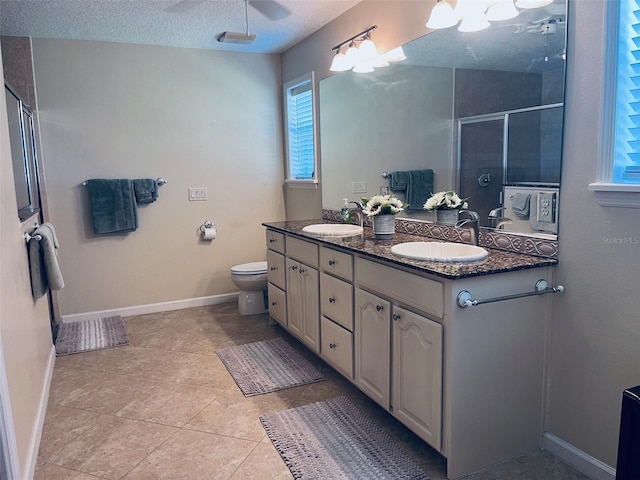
[359,187]
[546,207]
[197,194]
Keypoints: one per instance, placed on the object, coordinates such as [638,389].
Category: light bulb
[351,56]
[503,10]
[395,55]
[533,3]
[363,67]
[442,16]
[367,50]
[339,63]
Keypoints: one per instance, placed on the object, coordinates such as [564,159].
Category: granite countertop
[498,261]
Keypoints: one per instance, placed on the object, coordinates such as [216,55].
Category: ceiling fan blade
[183,6]
[270,9]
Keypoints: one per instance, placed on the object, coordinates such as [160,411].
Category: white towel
[43,261]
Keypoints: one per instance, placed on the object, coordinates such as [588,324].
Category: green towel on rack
[113,205]
[419,188]
[145,190]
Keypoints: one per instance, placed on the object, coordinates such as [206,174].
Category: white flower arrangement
[445,201]
[382,205]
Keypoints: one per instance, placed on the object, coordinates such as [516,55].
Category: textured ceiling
[179,23]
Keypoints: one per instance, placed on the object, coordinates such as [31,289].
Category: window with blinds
[626,142]
[300,130]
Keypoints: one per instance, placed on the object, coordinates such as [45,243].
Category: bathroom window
[618,182]
[300,132]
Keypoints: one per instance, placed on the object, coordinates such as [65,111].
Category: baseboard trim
[154,307]
[581,461]
[36,435]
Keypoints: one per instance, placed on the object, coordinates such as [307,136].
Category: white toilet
[251,280]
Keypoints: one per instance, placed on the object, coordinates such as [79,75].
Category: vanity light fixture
[474,15]
[362,55]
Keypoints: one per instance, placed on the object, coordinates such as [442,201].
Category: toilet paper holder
[206,224]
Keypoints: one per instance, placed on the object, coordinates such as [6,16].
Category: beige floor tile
[49,471]
[205,370]
[106,393]
[234,415]
[170,403]
[264,463]
[193,455]
[62,425]
[113,447]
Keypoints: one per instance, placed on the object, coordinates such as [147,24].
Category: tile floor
[164,407]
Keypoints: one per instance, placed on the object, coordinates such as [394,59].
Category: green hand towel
[113,205]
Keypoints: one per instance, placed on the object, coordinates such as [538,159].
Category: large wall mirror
[483,110]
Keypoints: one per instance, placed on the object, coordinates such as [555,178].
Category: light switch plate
[359,187]
[197,194]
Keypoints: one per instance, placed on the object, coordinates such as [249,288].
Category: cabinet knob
[332,345]
[272,240]
[294,268]
[273,269]
[379,308]
[332,300]
[273,304]
[332,262]
[396,317]
[301,270]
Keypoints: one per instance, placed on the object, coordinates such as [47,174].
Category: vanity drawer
[277,304]
[276,271]
[418,292]
[305,252]
[336,300]
[275,241]
[336,263]
[336,346]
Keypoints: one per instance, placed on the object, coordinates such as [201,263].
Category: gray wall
[595,326]
[198,118]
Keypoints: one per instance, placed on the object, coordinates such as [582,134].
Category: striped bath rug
[88,335]
[267,366]
[335,440]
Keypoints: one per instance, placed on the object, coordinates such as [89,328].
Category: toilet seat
[252,268]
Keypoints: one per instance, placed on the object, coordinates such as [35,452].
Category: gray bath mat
[88,335]
[335,440]
[267,366]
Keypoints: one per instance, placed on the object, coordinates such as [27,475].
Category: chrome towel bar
[542,287]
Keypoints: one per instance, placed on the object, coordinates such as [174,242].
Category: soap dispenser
[345,217]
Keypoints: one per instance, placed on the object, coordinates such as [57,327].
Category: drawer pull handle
[272,240]
[396,317]
[332,262]
[273,304]
[332,345]
[273,269]
[379,308]
[332,300]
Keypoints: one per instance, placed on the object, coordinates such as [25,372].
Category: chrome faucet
[472,224]
[357,211]
[496,221]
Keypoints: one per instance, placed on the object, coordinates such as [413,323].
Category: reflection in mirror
[483,110]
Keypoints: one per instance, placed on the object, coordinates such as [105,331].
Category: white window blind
[300,130]
[626,154]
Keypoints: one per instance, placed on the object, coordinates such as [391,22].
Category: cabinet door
[417,374]
[277,304]
[372,346]
[294,297]
[310,320]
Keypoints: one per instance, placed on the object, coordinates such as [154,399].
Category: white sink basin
[332,230]
[439,252]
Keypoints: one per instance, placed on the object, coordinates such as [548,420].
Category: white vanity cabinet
[469,381]
[398,352]
[336,308]
[303,291]
[276,274]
